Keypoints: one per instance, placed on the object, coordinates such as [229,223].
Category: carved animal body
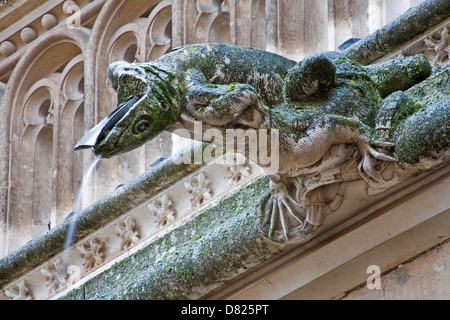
[183,82]
[322,101]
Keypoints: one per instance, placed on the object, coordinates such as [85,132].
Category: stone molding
[434,44]
[53,62]
[73,93]
[413,23]
[331,264]
[127,233]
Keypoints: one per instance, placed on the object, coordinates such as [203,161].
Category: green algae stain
[204,251]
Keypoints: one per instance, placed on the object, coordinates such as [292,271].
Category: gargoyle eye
[164,105]
[142,124]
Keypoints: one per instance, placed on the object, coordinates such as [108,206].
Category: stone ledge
[179,271]
[392,36]
[212,254]
[130,218]
[387,233]
[189,261]
[40,250]
[214,247]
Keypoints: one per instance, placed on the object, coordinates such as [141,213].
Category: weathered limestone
[48,108]
[186,263]
[317,108]
[142,35]
[418,133]
[395,34]
[128,220]
[424,278]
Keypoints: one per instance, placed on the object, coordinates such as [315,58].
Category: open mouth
[96,134]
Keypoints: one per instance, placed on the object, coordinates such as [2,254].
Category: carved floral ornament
[127,230]
[238,170]
[439,42]
[200,190]
[21,291]
[55,276]
[163,210]
[93,253]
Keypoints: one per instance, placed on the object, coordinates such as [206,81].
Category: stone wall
[53,60]
[424,278]
[54,86]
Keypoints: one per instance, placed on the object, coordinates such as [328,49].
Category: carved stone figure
[338,121]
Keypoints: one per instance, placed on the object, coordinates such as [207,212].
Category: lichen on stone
[206,251]
[424,134]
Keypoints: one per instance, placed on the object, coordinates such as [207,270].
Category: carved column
[178,23]
[297,28]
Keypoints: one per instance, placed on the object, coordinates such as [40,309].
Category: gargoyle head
[147,105]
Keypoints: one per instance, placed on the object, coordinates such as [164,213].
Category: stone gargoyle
[337,121]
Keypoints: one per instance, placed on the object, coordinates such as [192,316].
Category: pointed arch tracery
[43,96]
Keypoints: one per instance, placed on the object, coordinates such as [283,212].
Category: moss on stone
[433,89]
[99,214]
[399,74]
[204,252]
[424,134]
[401,30]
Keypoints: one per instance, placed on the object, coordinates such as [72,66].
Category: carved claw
[369,156]
[283,210]
[288,220]
[383,144]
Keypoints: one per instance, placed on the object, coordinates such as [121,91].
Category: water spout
[76,210]
[77,204]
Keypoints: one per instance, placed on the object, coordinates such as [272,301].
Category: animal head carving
[147,105]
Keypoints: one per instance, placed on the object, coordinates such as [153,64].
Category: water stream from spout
[76,210]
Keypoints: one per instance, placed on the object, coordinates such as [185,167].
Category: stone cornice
[391,37]
[406,222]
[151,228]
[123,222]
